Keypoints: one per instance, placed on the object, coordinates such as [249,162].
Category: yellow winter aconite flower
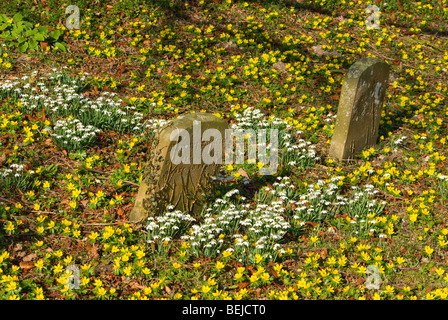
[93,235]
[11,286]
[258,258]
[440,271]
[253,278]
[205,289]
[101,291]
[227,253]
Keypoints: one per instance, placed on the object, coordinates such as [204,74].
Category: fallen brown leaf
[243,173]
[26,265]
[30,257]
[243,285]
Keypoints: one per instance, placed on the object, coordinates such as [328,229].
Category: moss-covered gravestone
[180,169]
[359,110]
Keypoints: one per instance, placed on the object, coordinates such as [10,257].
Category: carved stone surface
[359,111]
[181,185]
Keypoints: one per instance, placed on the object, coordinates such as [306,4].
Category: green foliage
[26,37]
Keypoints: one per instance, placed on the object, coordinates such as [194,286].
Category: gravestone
[359,110]
[178,171]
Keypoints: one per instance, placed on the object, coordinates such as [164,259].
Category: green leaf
[3,18]
[20,29]
[28,25]
[55,34]
[32,44]
[30,32]
[43,29]
[3,26]
[23,47]
[17,17]
[14,34]
[59,45]
[7,35]
[39,37]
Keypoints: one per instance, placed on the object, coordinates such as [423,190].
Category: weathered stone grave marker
[178,176]
[359,110]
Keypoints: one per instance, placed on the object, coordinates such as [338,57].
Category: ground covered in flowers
[79,109]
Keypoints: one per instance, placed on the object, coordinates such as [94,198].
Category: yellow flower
[76,193]
[93,235]
[219,265]
[227,253]
[68,259]
[39,264]
[101,291]
[389,289]
[176,265]
[440,271]
[265,276]
[98,283]
[429,250]
[238,276]
[85,266]
[140,254]
[178,295]
[73,204]
[11,286]
[253,278]
[205,288]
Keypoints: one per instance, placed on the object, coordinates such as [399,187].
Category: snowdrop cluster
[15,176]
[14,170]
[168,225]
[399,141]
[156,123]
[229,219]
[249,118]
[317,203]
[294,152]
[266,221]
[205,239]
[361,203]
[60,96]
[10,88]
[298,154]
[282,190]
[72,135]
